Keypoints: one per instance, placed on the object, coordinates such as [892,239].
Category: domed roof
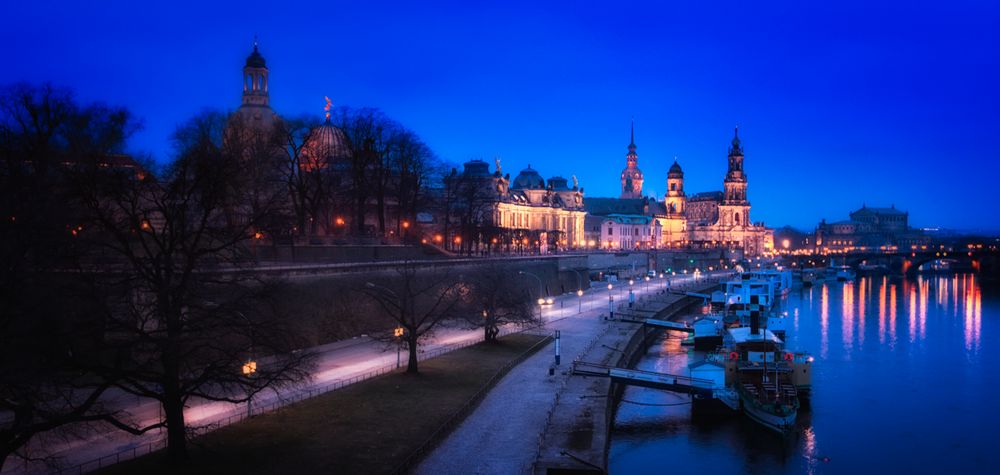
[675,169]
[558,183]
[326,144]
[528,179]
[476,168]
[255,60]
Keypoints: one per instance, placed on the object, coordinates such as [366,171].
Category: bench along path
[501,436]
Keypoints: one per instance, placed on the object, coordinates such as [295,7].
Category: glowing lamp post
[541,300]
[631,295]
[579,293]
[398,333]
[611,302]
[249,369]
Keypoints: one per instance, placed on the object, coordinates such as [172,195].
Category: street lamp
[631,295]
[249,369]
[541,300]
[398,333]
[579,293]
[611,301]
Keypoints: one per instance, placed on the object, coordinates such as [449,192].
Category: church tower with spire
[255,79]
[255,111]
[631,175]
[735,209]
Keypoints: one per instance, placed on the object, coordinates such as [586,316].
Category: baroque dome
[675,169]
[528,179]
[255,60]
[325,145]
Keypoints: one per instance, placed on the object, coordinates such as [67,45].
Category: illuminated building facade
[723,219]
[716,219]
[869,229]
[546,215]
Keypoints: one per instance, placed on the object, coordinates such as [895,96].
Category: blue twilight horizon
[839,104]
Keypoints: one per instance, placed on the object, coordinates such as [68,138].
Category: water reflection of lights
[863,290]
[973,313]
[912,322]
[954,295]
[881,309]
[824,320]
[847,321]
[892,315]
[809,449]
[924,297]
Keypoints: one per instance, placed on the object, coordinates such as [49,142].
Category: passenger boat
[742,292]
[780,280]
[763,377]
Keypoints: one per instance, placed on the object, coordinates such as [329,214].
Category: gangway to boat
[689,294]
[646,379]
[673,326]
[652,322]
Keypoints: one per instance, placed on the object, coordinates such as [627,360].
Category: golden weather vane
[326,108]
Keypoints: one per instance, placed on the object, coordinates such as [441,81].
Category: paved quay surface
[504,433]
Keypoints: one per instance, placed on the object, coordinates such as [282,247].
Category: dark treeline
[116,272]
[107,271]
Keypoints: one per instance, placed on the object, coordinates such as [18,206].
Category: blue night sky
[838,103]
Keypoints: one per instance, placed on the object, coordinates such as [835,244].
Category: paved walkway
[502,435]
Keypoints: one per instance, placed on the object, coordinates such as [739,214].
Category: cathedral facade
[715,219]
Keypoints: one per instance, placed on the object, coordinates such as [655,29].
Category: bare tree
[261,181]
[498,297]
[49,323]
[413,167]
[181,322]
[417,300]
[309,174]
[365,129]
[470,201]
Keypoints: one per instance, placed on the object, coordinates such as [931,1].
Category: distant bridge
[908,261]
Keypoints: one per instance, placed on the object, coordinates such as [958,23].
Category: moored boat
[762,374]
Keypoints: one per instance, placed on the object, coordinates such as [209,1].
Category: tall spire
[631,175]
[736,148]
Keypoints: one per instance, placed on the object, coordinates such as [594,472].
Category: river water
[905,380]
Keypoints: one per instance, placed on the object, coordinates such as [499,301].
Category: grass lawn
[368,427]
